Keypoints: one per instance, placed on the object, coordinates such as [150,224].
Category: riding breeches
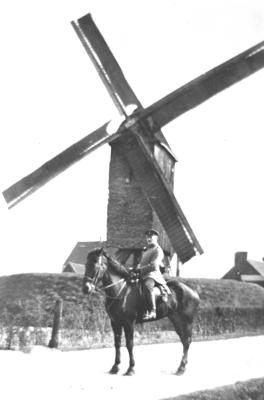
[149,284]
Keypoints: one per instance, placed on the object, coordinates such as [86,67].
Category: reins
[113,284]
[102,289]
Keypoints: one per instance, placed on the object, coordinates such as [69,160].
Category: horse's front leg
[129,333]
[117,329]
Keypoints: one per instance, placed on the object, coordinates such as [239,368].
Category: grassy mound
[225,293]
[16,290]
[28,300]
[33,297]
[47,287]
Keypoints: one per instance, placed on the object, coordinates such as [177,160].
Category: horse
[124,303]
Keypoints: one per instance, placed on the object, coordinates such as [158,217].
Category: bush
[17,320]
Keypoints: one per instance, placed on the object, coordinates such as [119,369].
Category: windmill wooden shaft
[142,165]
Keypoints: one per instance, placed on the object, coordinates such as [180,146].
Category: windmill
[147,162]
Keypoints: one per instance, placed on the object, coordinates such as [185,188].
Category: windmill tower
[129,213]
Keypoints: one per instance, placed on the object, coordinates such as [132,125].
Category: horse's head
[95,268]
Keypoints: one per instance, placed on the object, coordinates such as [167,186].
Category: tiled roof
[80,251]
[258,266]
[74,267]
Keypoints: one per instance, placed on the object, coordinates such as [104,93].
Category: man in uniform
[151,261]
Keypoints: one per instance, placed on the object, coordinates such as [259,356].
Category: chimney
[240,256]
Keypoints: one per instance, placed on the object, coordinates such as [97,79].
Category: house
[76,261]
[74,267]
[246,270]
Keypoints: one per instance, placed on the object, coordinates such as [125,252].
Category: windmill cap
[152,232]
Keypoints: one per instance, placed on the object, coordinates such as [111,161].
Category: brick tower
[129,213]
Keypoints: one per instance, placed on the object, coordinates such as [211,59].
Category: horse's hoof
[130,372]
[180,371]
[114,370]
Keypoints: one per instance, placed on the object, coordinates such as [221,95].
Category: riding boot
[151,314]
[164,293]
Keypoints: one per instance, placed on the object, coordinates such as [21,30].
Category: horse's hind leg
[183,326]
[117,329]
[129,332]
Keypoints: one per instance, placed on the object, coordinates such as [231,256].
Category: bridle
[93,282]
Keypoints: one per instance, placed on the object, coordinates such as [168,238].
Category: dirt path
[52,374]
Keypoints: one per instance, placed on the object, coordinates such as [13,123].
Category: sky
[51,97]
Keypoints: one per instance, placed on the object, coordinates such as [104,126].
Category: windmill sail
[105,63]
[32,182]
[205,86]
[108,68]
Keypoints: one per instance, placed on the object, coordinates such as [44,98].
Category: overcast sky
[51,97]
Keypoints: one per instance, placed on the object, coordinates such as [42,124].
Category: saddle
[162,291]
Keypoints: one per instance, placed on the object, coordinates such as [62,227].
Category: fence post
[54,341]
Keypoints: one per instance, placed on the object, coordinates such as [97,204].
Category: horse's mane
[116,266]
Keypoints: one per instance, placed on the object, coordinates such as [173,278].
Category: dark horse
[125,304]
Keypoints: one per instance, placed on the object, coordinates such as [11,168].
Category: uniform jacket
[151,261]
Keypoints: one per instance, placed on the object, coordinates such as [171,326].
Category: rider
[149,266]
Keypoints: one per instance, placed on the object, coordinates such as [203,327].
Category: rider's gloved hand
[134,275]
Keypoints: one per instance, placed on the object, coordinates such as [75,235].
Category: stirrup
[149,315]
[145,316]
[164,297]
[152,314]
